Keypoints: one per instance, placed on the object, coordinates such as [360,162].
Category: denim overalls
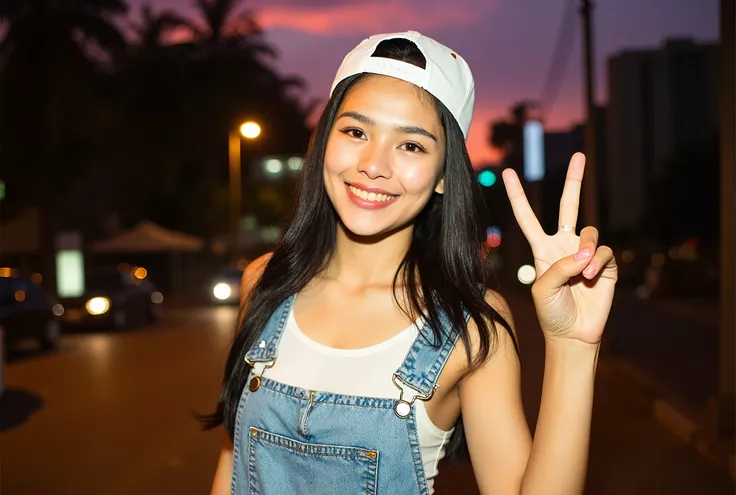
[292,441]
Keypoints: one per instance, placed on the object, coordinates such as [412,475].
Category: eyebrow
[406,129]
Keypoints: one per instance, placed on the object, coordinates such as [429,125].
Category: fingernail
[583,254]
[588,272]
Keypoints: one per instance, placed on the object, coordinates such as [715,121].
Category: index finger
[522,210]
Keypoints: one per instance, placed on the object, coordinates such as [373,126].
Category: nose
[375,161]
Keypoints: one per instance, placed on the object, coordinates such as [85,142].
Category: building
[660,101]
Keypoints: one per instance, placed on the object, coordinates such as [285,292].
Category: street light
[248,130]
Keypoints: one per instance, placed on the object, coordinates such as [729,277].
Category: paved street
[110,413]
[675,341]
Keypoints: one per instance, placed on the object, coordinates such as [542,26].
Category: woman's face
[384,155]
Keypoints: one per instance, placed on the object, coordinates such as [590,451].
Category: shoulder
[498,335]
[470,360]
[500,306]
[252,274]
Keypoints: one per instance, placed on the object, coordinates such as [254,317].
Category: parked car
[26,312]
[225,286]
[115,298]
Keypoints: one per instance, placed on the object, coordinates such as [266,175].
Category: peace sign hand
[576,278]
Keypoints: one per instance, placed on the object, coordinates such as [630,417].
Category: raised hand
[576,278]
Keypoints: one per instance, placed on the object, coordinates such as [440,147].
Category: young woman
[369,344]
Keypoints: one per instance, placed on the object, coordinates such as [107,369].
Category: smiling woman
[382,151]
[369,341]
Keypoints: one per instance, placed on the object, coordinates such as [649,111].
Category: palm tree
[50,57]
[224,26]
[154,26]
[51,29]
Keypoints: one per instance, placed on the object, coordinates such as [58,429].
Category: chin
[364,227]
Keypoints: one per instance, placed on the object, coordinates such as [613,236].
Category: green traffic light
[487,178]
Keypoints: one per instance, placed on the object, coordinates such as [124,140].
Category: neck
[360,261]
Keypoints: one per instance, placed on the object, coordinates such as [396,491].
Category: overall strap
[423,364]
[265,348]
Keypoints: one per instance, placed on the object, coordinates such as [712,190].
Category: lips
[369,197]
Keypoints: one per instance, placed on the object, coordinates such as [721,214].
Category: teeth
[365,195]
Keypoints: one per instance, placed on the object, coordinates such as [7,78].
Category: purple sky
[508,43]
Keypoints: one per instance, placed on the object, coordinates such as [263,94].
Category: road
[111,413]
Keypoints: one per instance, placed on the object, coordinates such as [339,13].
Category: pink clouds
[379,16]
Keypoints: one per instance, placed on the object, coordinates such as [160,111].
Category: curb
[682,420]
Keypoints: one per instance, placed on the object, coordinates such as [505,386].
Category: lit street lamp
[248,130]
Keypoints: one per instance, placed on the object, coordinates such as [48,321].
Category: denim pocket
[279,465]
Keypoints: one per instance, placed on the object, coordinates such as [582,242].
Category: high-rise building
[660,101]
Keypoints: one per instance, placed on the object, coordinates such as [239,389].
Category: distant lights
[628,256]
[493,237]
[294,164]
[487,178]
[250,130]
[221,291]
[658,260]
[527,274]
[273,166]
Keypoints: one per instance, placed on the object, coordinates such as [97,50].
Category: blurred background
[150,150]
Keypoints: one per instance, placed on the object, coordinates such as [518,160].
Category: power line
[563,46]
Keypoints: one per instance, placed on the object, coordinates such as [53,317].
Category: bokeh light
[487,178]
[250,130]
[527,274]
[493,237]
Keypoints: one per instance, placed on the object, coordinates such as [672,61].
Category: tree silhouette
[94,124]
[50,59]
[182,101]
[154,26]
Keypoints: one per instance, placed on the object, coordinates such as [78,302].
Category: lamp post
[247,130]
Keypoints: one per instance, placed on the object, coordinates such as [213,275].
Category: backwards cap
[447,76]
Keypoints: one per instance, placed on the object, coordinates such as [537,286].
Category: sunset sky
[508,43]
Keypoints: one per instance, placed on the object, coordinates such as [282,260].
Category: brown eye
[413,148]
[354,133]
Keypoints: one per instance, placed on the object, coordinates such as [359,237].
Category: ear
[440,188]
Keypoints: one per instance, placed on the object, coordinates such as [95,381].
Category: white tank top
[307,364]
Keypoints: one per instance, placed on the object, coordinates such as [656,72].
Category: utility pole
[590,182]
[727,103]
[236,187]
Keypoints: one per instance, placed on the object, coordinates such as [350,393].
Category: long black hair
[442,272]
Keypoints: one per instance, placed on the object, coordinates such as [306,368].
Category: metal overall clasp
[402,407]
[255,382]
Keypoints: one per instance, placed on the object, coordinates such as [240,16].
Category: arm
[505,460]
[224,472]
[559,457]
[495,426]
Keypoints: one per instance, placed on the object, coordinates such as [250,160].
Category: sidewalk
[676,342]
[665,353]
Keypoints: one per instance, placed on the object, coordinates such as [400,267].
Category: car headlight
[97,305]
[221,291]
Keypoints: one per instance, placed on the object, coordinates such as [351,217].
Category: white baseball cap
[447,75]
